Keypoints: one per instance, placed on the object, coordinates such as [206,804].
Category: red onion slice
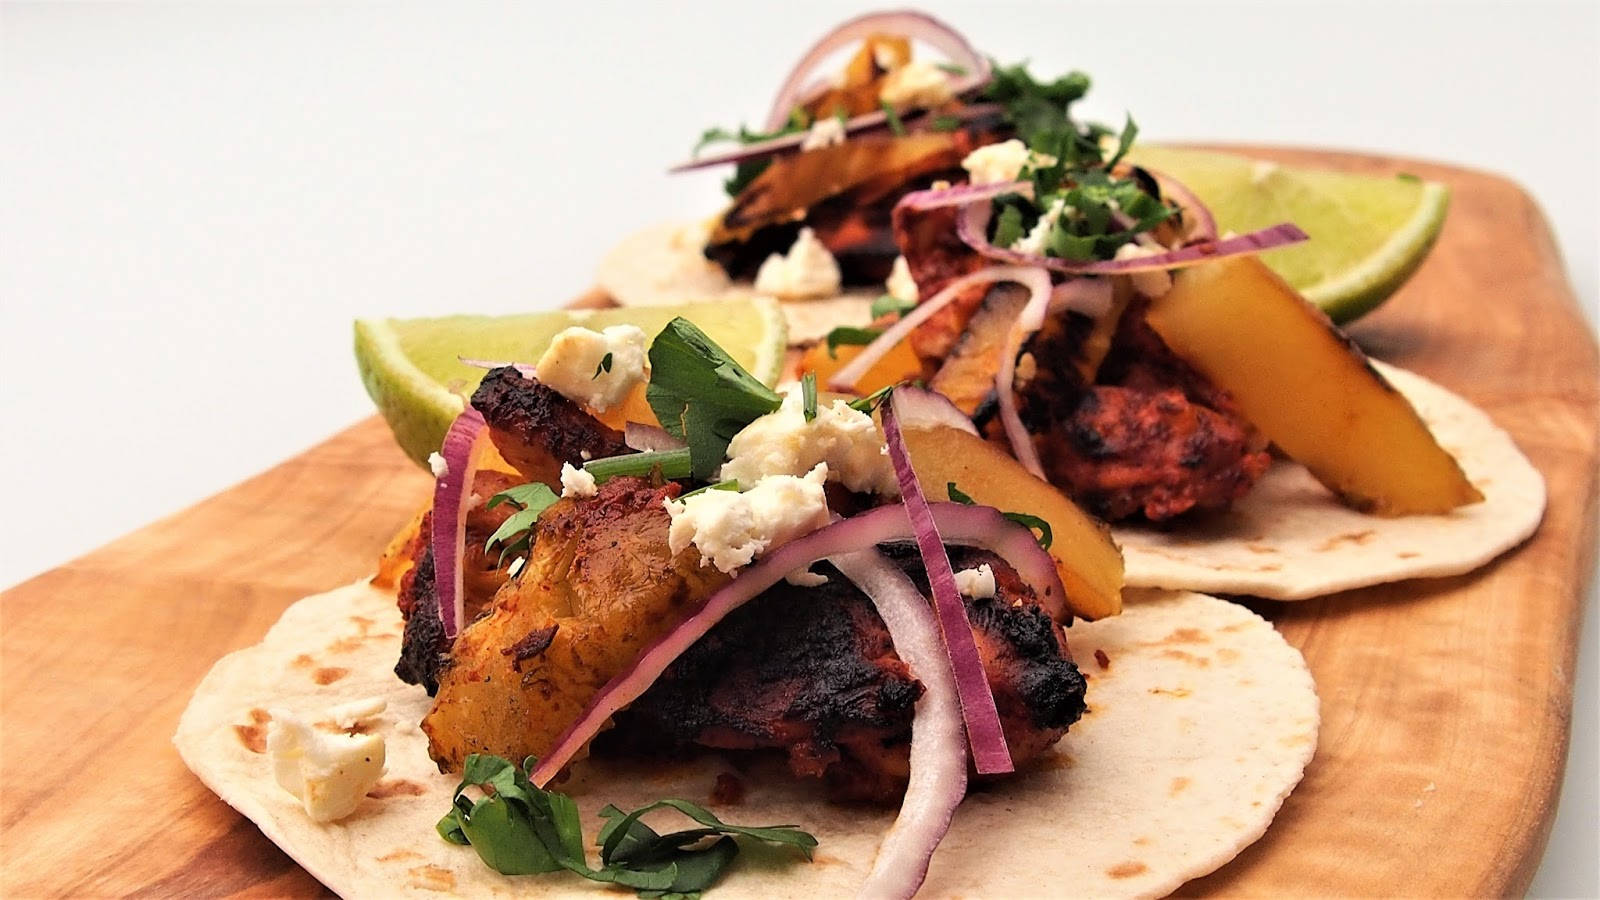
[1035,279]
[902,23]
[990,754]
[921,408]
[968,526]
[649,438]
[972,228]
[452,493]
[938,768]
[1204,227]
[1078,293]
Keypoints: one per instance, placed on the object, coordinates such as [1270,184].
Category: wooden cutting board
[1446,703]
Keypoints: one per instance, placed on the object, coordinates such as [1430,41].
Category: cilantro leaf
[1130,131]
[1046,535]
[848,335]
[889,303]
[701,395]
[808,396]
[1009,228]
[896,127]
[605,366]
[519,829]
[516,532]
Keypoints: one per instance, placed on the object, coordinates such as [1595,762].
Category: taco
[756,605]
[1087,312]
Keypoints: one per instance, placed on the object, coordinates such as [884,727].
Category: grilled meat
[1150,438]
[536,429]
[936,256]
[599,584]
[812,672]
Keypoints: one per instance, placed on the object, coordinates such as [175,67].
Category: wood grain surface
[1446,703]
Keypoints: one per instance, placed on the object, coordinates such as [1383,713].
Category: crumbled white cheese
[824,132]
[328,771]
[576,364]
[976,583]
[806,578]
[438,465]
[1033,241]
[784,443]
[357,712]
[916,85]
[576,482]
[1005,161]
[900,283]
[807,271]
[1151,283]
[730,528]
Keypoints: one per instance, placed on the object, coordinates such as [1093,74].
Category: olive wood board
[1446,703]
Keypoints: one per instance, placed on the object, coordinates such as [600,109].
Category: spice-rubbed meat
[600,583]
[812,671]
[536,429]
[1152,437]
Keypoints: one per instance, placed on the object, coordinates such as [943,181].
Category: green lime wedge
[1368,233]
[412,368]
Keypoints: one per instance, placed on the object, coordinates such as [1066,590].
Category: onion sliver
[972,228]
[1205,226]
[901,23]
[1035,279]
[989,752]
[938,770]
[1090,293]
[452,492]
[967,526]
[649,438]
[921,408]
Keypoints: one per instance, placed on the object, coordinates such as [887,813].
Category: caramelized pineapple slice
[1308,388]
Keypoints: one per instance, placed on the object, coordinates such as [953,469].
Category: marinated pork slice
[811,671]
[536,429]
[599,585]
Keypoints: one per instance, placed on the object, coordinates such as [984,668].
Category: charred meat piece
[1151,438]
[422,646]
[812,672]
[599,585]
[536,429]
[936,256]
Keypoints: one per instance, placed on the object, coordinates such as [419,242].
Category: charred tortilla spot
[254,735]
[329,674]
[399,787]
[1101,658]
[432,878]
[1127,869]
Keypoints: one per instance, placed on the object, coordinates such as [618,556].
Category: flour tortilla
[1199,726]
[664,264]
[1290,539]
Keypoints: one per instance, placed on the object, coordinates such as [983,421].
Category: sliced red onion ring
[968,526]
[649,438]
[1035,279]
[523,368]
[921,408]
[972,228]
[1077,293]
[902,23]
[963,194]
[865,123]
[1204,227]
[989,752]
[452,493]
[938,771]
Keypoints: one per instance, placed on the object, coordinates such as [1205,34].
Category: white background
[197,200]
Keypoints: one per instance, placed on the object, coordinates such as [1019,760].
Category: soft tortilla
[1290,539]
[1200,723]
[664,264]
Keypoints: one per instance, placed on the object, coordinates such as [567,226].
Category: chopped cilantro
[671,463]
[945,123]
[515,534]
[605,366]
[808,396]
[701,395]
[896,127]
[849,336]
[519,829]
[889,303]
[1046,535]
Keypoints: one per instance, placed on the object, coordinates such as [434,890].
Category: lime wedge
[413,371]
[1368,233]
